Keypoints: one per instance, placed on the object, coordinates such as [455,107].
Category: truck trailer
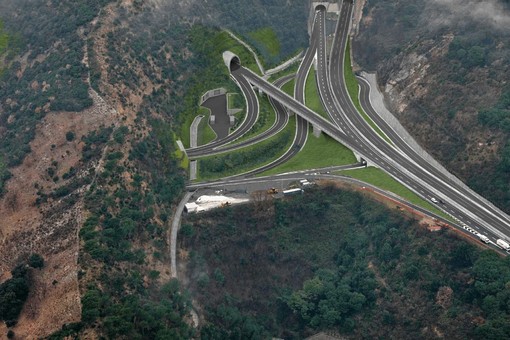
[503,244]
[292,191]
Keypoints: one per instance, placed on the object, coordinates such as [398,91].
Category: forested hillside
[92,95]
[445,67]
[333,260]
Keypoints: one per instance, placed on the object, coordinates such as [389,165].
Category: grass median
[248,158]
[317,153]
[312,98]
[266,119]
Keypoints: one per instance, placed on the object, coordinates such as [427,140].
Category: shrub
[36,261]
[70,136]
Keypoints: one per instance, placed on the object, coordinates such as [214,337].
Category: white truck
[292,191]
[503,244]
[483,238]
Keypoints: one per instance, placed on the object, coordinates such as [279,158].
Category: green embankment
[248,158]
[235,101]
[382,180]
[205,133]
[317,153]
[353,89]
[267,38]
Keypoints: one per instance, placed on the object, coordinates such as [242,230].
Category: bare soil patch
[51,228]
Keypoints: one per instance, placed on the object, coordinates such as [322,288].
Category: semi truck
[503,244]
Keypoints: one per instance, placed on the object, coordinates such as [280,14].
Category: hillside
[90,98]
[334,260]
[94,94]
[444,67]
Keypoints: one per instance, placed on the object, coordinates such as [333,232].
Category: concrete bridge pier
[360,159]
[316,130]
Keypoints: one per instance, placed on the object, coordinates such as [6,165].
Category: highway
[353,131]
[299,93]
[406,165]
[282,115]
[400,142]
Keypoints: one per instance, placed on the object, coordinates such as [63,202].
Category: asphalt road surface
[352,130]
[252,111]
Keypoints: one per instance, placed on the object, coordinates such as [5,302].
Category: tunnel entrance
[320,8]
[235,63]
[231,60]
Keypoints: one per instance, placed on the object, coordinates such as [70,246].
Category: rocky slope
[441,65]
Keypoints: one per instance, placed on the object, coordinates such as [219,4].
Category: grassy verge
[382,180]
[312,98]
[248,158]
[182,159]
[205,133]
[317,153]
[235,101]
[353,89]
[288,88]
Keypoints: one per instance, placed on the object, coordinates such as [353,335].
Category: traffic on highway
[389,152]
[397,159]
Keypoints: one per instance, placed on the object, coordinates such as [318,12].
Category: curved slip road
[252,113]
[363,140]
[282,118]
[403,163]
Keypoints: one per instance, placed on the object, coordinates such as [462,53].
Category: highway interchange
[348,127]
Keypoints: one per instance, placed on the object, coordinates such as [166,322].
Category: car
[434,200]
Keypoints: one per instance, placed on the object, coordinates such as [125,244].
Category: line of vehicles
[505,245]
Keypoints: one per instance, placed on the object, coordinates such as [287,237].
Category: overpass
[402,165]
